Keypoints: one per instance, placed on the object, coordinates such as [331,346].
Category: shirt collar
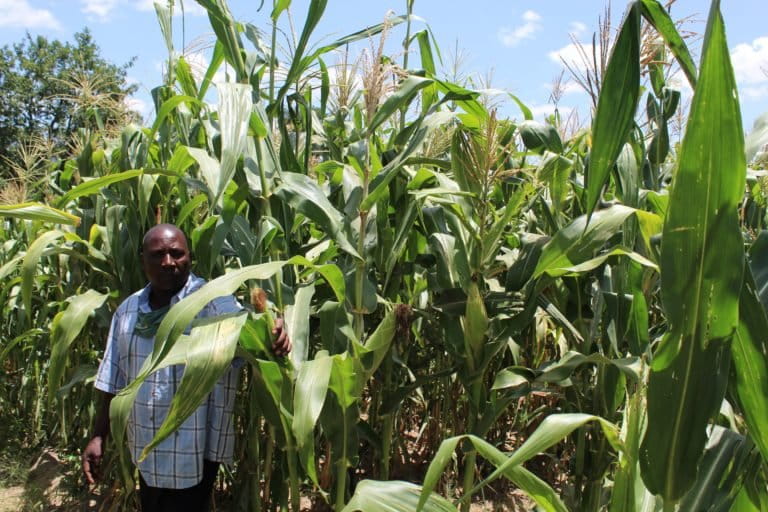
[192,284]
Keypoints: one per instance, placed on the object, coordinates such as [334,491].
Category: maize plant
[475,302]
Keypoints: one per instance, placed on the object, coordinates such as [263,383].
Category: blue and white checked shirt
[177,463]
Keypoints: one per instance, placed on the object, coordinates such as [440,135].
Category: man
[179,473]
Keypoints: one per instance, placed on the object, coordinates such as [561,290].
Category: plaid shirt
[177,462]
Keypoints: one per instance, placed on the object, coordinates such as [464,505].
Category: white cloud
[531,16]
[750,61]
[19,14]
[198,64]
[513,36]
[754,93]
[571,87]
[566,86]
[99,10]
[578,28]
[138,105]
[572,54]
[542,111]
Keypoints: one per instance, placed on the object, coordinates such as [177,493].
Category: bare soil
[48,488]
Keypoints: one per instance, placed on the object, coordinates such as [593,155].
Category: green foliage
[499,297]
[50,89]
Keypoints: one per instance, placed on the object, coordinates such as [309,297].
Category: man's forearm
[101,426]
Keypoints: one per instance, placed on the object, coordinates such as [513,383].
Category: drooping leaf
[65,327]
[399,99]
[657,15]
[311,390]
[540,137]
[29,266]
[394,496]
[95,185]
[553,429]
[302,193]
[38,212]
[579,241]
[210,348]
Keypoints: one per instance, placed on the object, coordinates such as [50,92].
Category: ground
[51,484]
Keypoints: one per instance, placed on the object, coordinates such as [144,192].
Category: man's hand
[92,459]
[282,344]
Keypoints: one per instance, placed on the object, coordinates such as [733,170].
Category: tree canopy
[50,89]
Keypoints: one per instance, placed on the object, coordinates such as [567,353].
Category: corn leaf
[234,116]
[725,462]
[163,10]
[376,347]
[593,263]
[65,327]
[227,36]
[303,194]
[394,496]
[300,62]
[29,266]
[616,106]
[210,348]
[297,323]
[401,98]
[552,430]
[279,7]
[310,392]
[540,137]
[749,352]
[9,345]
[216,59]
[169,106]
[38,212]
[657,15]
[579,241]
[701,274]
[95,185]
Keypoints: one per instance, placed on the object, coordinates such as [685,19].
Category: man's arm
[94,450]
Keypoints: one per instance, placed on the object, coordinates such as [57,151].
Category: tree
[50,89]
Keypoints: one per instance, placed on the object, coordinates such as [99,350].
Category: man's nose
[166,260]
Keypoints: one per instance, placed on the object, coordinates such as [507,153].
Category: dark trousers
[192,499]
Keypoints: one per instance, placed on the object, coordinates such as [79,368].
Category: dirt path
[11,499]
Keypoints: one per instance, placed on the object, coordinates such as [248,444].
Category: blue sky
[518,43]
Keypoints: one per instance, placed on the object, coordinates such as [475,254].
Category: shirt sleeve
[222,306]
[110,377]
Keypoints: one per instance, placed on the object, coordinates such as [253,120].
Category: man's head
[165,258]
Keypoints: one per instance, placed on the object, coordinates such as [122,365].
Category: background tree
[50,89]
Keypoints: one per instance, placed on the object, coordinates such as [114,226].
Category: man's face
[165,258]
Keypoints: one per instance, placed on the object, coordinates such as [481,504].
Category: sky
[515,46]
